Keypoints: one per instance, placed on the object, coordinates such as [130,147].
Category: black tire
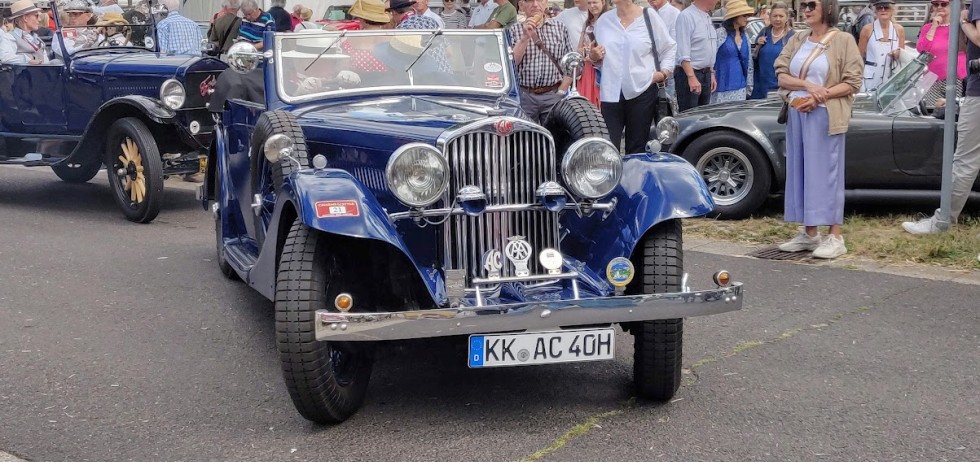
[71,172]
[222,258]
[267,179]
[138,207]
[327,381]
[573,119]
[658,345]
[737,172]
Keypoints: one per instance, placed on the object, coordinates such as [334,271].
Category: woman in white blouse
[630,75]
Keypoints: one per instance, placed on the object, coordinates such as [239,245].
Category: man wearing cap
[76,36]
[502,17]
[538,42]
[27,20]
[178,35]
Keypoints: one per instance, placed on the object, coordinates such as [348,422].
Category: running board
[239,257]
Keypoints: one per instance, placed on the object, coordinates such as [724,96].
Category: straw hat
[22,7]
[112,19]
[736,8]
[369,10]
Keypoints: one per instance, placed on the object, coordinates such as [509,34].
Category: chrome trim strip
[533,277]
[524,316]
[488,125]
[441,212]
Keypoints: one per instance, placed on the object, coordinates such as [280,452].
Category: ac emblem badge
[504,127]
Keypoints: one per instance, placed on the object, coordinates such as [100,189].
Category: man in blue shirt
[255,23]
[178,35]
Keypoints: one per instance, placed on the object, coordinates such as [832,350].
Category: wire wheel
[728,174]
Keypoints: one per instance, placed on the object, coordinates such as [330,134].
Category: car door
[35,103]
[868,160]
[919,148]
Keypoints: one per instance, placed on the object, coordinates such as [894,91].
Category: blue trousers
[814,170]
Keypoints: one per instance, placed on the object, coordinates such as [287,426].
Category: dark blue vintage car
[120,103]
[384,185]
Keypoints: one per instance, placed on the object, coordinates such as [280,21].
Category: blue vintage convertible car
[384,185]
[116,102]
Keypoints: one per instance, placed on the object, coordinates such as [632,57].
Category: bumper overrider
[335,326]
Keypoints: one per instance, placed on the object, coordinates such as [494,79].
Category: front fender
[92,143]
[654,188]
[333,201]
[150,107]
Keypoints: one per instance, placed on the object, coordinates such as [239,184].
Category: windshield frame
[901,83]
[393,89]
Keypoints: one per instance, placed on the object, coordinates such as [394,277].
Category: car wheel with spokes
[135,170]
[736,172]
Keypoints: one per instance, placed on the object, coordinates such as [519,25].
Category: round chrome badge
[620,271]
[551,260]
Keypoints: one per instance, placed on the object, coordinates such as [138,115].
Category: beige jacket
[846,66]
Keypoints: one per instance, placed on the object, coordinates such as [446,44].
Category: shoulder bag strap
[235,24]
[817,51]
[653,43]
[547,52]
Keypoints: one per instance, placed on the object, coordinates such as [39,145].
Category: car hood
[132,63]
[862,102]
[386,123]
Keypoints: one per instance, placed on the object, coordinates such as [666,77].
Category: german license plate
[203,164]
[532,348]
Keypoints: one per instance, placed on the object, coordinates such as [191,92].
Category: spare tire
[573,119]
[267,179]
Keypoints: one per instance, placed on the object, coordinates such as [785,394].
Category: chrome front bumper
[334,326]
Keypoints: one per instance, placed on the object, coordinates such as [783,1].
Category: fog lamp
[344,302]
[552,196]
[472,199]
[722,278]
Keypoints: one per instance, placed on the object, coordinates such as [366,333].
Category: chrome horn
[571,63]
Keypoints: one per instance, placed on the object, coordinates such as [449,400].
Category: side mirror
[243,57]
[667,130]
[571,62]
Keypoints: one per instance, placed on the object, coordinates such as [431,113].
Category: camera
[974,66]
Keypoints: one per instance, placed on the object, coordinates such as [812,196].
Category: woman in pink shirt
[934,39]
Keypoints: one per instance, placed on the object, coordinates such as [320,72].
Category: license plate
[203,167]
[542,347]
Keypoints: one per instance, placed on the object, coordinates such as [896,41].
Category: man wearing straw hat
[27,20]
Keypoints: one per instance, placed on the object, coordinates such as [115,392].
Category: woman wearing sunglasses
[818,72]
[934,39]
[880,44]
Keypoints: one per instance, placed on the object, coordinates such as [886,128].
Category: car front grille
[508,169]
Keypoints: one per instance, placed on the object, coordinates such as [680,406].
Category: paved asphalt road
[123,342]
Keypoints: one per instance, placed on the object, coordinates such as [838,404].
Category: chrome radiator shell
[508,167]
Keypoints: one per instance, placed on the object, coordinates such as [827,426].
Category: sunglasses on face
[809,6]
[883,7]
[940,4]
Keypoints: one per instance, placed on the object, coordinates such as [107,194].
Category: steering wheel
[923,109]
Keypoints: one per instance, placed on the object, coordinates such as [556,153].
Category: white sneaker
[802,241]
[923,226]
[830,247]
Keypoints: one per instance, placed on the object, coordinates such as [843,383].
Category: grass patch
[878,237]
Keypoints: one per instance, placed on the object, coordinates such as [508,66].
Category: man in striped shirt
[177,34]
[255,23]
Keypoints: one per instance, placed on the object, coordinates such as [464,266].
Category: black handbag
[666,106]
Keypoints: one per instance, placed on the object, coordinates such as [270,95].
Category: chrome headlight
[592,168]
[277,147]
[172,94]
[417,174]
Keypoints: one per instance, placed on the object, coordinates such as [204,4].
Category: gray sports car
[893,149]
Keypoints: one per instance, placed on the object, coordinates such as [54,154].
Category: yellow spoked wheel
[135,170]
[132,171]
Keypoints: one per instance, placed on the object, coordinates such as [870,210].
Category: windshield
[905,89]
[106,35]
[319,63]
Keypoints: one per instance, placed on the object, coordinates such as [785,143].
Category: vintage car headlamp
[417,174]
[172,94]
[277,147]
[592,168]
[667,130]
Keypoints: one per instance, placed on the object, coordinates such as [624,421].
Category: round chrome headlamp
[172,94]
[592,168]
[277,147]
[417,174]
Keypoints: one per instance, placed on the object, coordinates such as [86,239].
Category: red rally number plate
[334,209]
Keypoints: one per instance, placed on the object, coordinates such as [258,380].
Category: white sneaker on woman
[801,242]
[830,247]
[923,226]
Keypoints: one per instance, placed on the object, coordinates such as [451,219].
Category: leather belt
[541,90]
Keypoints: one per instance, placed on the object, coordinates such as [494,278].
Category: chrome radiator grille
[508,169]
